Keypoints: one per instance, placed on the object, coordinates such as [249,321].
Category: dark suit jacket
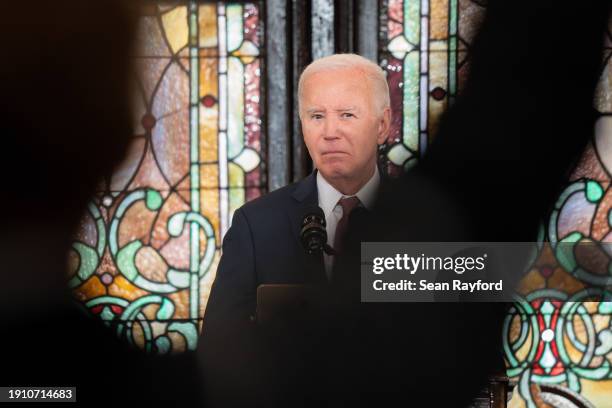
[262,246]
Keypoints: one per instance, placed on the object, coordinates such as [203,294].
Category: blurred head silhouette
[65,122]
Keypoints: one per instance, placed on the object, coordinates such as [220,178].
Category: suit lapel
[306,194]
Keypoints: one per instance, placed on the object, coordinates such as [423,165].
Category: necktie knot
[348,204]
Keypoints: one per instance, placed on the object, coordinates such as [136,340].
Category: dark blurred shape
[502,155]
[65,119]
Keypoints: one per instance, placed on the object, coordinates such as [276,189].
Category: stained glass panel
[423,48]
[147,250]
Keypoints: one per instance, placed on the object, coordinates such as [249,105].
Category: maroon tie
[347,204]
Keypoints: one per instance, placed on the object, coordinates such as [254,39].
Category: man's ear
[384,125]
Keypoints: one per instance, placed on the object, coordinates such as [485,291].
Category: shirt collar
[329,196]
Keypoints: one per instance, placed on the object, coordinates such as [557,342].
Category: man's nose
[331,129]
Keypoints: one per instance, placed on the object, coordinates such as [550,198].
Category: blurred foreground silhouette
[66,122]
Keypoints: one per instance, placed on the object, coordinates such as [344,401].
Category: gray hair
[372,72]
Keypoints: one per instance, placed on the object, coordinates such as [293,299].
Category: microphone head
[313,233]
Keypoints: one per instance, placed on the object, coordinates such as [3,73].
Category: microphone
[313,234]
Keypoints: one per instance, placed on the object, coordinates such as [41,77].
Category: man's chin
[334,173]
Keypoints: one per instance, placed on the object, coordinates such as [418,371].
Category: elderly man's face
[340,124]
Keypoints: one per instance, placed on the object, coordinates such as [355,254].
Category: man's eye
[348,115]
[316,116]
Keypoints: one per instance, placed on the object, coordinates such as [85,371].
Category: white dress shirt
[328,201]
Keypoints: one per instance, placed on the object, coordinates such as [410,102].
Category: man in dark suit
[345,114]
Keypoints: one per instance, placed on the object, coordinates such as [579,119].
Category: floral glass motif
[557,346]
[147,249]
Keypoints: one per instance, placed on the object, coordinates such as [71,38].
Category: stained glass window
[148,247]
[423,47]
[557,346]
